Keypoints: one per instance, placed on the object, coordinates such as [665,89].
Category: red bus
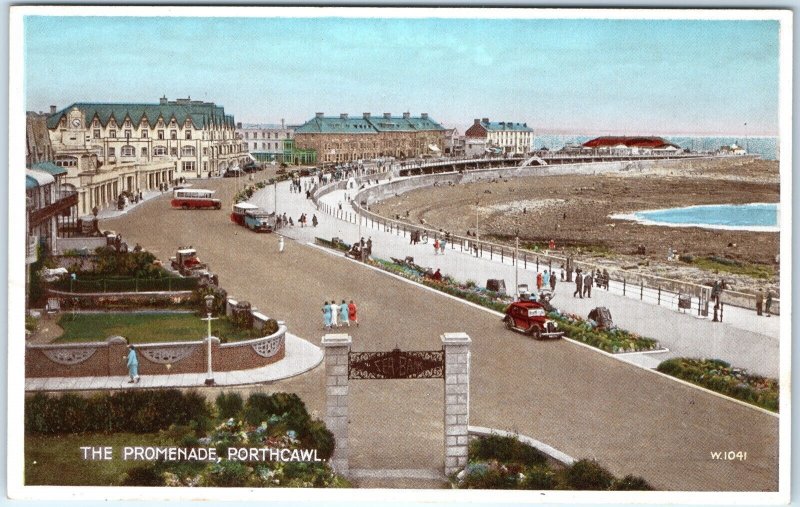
[240,210]
[194,198]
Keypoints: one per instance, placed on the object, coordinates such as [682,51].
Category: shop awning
[433,147]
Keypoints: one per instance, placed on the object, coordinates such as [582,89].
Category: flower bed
[497,462]
[613,341]
[719,376]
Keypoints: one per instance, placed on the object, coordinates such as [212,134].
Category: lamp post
[516,265]
[477,234]
[209,299]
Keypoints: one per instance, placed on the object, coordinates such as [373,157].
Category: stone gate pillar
[456,400]
[337,348]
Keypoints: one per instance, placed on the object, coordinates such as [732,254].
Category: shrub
[538,477]
[487,478]
[270,327]
[145,475]
[229,405]
[227,474]
[587,475]
[322,439]
[30,323]
[506,450]
[132,411]
[631,483]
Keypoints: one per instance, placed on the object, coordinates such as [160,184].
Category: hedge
[719,376]
[131,411]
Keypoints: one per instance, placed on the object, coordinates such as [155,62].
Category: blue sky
[603,76]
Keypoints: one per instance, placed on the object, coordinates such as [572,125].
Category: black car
[233,173]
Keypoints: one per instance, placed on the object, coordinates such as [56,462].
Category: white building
[265,141]
[509,137]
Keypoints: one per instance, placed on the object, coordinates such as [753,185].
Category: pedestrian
[552,245]
[369,246]
[291,222]
[563,272]
[301,220]
[539,281]
[552,282]
[716,291]
[326,315]
[578,284]
[344,313]
[442,245]
[334,313]
[769,302]
[133,365]
[759,302]
[314,220]
[280,244]
[546,278]
[587,284]
[436,247]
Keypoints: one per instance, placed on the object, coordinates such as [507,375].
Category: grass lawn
[58,459]
[736,268]
[146,327]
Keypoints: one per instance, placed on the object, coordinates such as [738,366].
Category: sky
[557,75]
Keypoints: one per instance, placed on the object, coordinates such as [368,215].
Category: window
[111,152]
[187,151]
[161,134]
[112,133]
[205,152]
[263,146]
[188,134]
[144,152]
[247,135]
[159,151]
[144,134]
[173,152]
[188,166]
[173,134]
[96,133]
[127,134]
[128,151]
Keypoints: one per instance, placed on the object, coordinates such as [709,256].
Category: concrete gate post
[456,401]
[337,349]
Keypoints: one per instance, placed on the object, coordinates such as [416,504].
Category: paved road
[572,398]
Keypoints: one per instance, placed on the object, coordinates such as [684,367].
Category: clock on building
[76,122]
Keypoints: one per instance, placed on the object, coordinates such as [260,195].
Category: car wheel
[535,332]
[185,206]
[509,323]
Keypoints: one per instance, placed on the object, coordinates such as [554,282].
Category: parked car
[233,173]
[530,317]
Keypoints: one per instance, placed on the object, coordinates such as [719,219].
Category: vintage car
[260,221]
[240,210]
[530,317]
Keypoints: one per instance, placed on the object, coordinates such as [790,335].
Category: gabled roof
[202,114]
[630,142]
[371,125]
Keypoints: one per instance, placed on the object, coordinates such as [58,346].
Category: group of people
[439,246]
[339,315]
[545,279]
[304,219]
[584,282]
[761,304]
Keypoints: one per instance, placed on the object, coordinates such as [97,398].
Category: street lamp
[209,299]
[516,265]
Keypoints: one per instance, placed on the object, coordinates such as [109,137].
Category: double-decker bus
[194,198]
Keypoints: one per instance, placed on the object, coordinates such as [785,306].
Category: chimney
[52,109]
[485,120]
[238,124]
[387,115]
[283,123]
[424,116]
[406,116]
[163,100]
[320,115]
[343,116]
[477,121]
[366,116]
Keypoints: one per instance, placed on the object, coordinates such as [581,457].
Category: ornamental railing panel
[396,364]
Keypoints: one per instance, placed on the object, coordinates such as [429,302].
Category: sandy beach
[575,211]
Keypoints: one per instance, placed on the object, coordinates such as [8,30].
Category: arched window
[128,151]
[187,151]
[159,151]
[144,152]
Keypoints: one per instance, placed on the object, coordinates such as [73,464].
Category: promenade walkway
[743,339]
[301,356]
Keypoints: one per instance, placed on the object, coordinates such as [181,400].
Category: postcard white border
[16,262]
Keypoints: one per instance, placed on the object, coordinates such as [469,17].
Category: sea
[767,147]
[763,217]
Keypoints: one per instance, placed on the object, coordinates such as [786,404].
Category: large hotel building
[344,139]
[108,149]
